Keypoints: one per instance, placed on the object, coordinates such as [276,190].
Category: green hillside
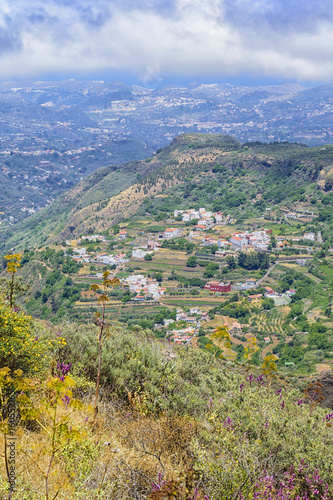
[194,169]
[139,365]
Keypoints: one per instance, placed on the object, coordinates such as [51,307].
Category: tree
[22,343]
[268,303]
[191,261]
[250,349]
[269,367]
[223,335]
[148,256]
[231,262]
[242,257]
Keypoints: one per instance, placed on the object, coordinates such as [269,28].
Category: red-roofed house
[215,286]
[238,241]
[171,232]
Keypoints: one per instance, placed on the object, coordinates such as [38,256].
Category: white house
[138,253]
[239,242]
[171,232]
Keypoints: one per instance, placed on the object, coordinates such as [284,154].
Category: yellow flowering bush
[23,345]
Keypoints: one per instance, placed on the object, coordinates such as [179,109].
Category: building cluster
[171,232]
[217,286]
[193,321]
[272,294]
[149,248]
[81,256]
[82,239]
[144,288]
[195,316]
[249,283]
[299,214]
[111,260]
[204,217]
[258,240]
[182,335]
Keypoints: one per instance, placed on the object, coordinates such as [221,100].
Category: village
[132,248]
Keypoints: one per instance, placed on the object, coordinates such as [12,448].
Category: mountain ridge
[110,194]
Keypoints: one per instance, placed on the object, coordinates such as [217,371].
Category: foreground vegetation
[172,422]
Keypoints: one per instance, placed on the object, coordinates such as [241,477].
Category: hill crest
[113,193]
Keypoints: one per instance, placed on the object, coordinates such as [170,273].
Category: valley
[54,134]
[210,234]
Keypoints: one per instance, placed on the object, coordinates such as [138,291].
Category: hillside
[171,420]
[205,299]
[50,221]
[55,133]
[195,167]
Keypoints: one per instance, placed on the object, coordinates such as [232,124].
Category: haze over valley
[55,133]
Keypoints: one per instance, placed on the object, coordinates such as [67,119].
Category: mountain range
[53,134]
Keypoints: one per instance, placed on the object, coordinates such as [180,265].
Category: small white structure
[171,232]
[138,253]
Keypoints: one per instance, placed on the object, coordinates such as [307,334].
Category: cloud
[263,38]
[281,15]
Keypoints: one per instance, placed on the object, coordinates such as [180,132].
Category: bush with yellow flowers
[23,344]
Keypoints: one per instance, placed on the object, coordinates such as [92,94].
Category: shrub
[23,344]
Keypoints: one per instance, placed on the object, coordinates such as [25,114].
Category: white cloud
[192,38]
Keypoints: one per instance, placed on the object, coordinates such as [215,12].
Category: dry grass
[315,314]
[323,367]
[126,452]
[269,347]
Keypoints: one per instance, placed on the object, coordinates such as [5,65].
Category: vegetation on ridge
[200,164]
[172,421]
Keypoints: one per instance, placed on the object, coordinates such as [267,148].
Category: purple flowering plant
[265,428]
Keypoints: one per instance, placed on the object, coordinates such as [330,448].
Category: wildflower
[63,369]
[210,404]
[66,400]
[241,387]
[157,486]
[228,423]
[259,379]
[299,402]
[195,493]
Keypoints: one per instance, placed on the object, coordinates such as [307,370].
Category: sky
[168,40]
